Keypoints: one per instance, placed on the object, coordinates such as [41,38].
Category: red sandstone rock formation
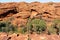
[23,10]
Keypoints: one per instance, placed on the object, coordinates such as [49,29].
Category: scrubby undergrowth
[33,26]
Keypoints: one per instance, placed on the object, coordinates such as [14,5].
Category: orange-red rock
[22,10]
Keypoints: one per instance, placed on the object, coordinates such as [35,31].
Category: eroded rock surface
[22,10]
[14,36]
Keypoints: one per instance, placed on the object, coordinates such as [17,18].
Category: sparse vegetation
[29,38]
[7,26]
[33,26]
[55,27]
[51,30]
[36,25]
[23,30]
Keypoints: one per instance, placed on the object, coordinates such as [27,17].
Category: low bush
[57,25]
[29,38]
[7,26]
[23,30]
[51,30]
[36,25]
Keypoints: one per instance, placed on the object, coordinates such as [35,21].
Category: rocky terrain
[14,36]
[21,11]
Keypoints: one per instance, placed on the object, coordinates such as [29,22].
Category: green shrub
[7,26]
[39,25]
[55,28]
[51,30]
[23,30]
[56,24]
[29,27]
[36,25]
[29,38]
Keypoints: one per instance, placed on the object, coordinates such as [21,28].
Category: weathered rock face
[22,11]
